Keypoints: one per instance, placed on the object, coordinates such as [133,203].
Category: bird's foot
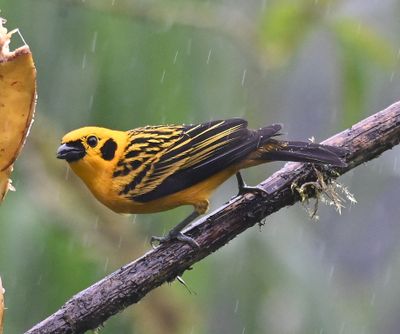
[171,236]
[244,188]
[254,190]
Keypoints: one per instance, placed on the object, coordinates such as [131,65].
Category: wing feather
[171,158]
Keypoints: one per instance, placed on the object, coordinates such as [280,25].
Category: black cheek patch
[108,149]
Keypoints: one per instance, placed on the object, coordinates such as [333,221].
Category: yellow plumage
[156,168]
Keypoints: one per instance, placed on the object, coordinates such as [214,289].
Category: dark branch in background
[91,307]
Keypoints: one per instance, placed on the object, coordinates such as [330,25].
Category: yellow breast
[107,191]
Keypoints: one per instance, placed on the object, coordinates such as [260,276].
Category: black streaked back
[208,149]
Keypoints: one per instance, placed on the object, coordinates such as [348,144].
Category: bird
[157,168]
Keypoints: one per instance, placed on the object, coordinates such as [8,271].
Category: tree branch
[91,307]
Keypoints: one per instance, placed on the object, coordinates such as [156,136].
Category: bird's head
[91,150]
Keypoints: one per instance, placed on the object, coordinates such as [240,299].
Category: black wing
[199,152]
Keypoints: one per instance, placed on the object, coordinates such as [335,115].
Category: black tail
[307,152]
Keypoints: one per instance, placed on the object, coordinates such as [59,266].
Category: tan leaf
[17,103]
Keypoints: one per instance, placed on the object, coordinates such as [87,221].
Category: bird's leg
[176,233]
[244,188]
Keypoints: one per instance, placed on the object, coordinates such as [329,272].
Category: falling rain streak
[67,172]
[94,42]
[236,306]
[162,77]
[388,276]
[84,61]
[331,272]
[264,5]
[91,102]
[243,77]
[96,223]
[208,57]
[372,299]
[176,57]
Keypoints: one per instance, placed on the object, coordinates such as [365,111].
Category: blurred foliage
[315,65]
[285,25]
[361,48]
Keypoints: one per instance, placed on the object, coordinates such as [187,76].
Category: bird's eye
[92,141]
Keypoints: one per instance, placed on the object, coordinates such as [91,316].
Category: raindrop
[372,300]
[94,41]
[84,61]
[236,306]
[134,219]
[263,5]
[388,276]
[176,56]
[342,328]
[331,272]
[244,330]
[162,77]
[91,102]
[67,172]
[106,264]
[359,28]
[189,47]
[39,280]
[113,3]
[392,77]
[96,223]
[243,77]
[120,241]
[208,57]
[321,331]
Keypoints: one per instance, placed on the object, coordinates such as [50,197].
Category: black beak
[71,151]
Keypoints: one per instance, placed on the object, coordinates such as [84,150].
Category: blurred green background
[315,65]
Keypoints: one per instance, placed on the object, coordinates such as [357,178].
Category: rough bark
[91,307]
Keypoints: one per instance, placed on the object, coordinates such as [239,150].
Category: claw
[244,188]
[247,189]
[178,236]
[184,238]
